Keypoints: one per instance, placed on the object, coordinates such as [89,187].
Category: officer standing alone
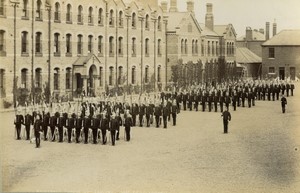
[226,117]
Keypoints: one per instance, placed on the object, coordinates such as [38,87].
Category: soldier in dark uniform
[209,100]
[86,127]
[104,125]
[178,100]
[226,117]
[114,124]
[128,124]
[165,114]
[157,113]
[234,100]
[54,122]
[191,100]
[287,89]
[19,121]
[61,124]
[216,100]
[184,99]
[27,122]
[174,111]
[37,129]
[135,111]
[249,98]
[244,95]
[292,89]
[203,101]
[282,88]
[119,119]
[71,123]
[149,113]
[227,100]
[78,126]
[283,103]
[45,124]
[141,113]
[95,125]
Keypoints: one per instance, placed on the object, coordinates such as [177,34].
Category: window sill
[80,23]
[56,54]
[25,18]
[57,21]
[24,54]
[68,54]
[69,22]
[91,24]
[38,19]
[38,54]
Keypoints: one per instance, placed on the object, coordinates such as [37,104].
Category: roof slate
[245,56]
[285,38]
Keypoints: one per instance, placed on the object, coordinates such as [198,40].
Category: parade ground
[261,153]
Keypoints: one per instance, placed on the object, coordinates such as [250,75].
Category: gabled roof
[245,56]
[81,60]
[206,31]
[285,38]
[175,18]
[222,29]
[257,36]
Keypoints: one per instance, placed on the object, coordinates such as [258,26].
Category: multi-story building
[280,55]
[71,46]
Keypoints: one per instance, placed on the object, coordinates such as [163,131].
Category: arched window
[147,22]
[24,43]
[100,45]
[24,77]
[2,83]
[120,75]
[147,74]
[120,48]
[56,79]
[159,47]
[57,12]
[111,18]
[1,7]
[56,44]
[202,47]
[100,17]
[68,78]
[80,16]
[196,46]
[110,76]
[232,48]
[159,23]
[69,14]
[2,43]
[38,78]
[193,47]
[185,47]
[133,20]
[90,44]
[90,16]
[25,9]
[133,47]
[133,75]
[101,76]
[79,44]
[182,46]
[68,44]
[120,19]
[147,47]
[208,48]
[159,74]
[38,43]
[227,48]
[213,48]
[217,48]
[39,10]
[111,46]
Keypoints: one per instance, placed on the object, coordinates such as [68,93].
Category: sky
[252,13]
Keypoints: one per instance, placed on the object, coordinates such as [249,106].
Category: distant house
[281,55]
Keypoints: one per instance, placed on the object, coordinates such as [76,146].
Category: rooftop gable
[285,38]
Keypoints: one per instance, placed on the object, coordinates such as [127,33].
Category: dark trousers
[249,103]
[134,120]
[95,135]
[69,134]
[37,138]
[243,102]
[77,134]
[86,134]
[292,92]
[203,106]
[18,128]
[157,120]
[283,108]
[234,106]
[221,107]
[287,92]
[61,133]
[52,129]
[27,128]
[196,106]
[174,118]
[216,107]
[225,123]
[117,134]
[148,120]
[141,120]
[253,101]
[45,129]
[209,107]
[103,132]
[184,105]
[127,130]
[113,136]
[165,121]
[191,106]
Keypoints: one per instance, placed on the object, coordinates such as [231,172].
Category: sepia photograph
[150,96]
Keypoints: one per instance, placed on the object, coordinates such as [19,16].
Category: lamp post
[15,4]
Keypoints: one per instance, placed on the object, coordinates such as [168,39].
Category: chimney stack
[249,34]
[173,6]
[164,6]
[267,30]
[274,28]
[190,6]
[262,31]
[209,17]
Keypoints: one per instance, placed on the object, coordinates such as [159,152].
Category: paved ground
[260,154]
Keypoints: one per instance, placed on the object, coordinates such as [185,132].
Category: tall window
[213,48]
[24,74]
[110,76]
[1,7]
[38,78]
[185,47]
[25,9]
[111,46]
[147,74]
[208,48]
[90,17]
[2,43]
[38,43]
[133,75]
[193,46]
[271,52]
[159,23]
[120,49]
[232,47]
[100,45]
[79,44]
[56,79]
[57,12]
[147,47]
[196,46]
[202,47]
[227,48]
[133,47]
[56,44]
[80,16]
[2,84]
[120,75]
[68,43]
[120,19]
[159,47]
[182,46]
[158,74]
[100,16]
[133,20]
[111,18]
[68,78]
[101,76]
[69,14]
[271,69]
[147,22]
[39,10]
[90,44]
[24,47]
[217,48]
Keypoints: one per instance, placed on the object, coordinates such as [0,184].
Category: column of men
[59,122]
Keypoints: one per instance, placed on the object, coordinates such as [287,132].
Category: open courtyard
[261,153]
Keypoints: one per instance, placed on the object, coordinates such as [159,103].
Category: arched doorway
[91,80]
